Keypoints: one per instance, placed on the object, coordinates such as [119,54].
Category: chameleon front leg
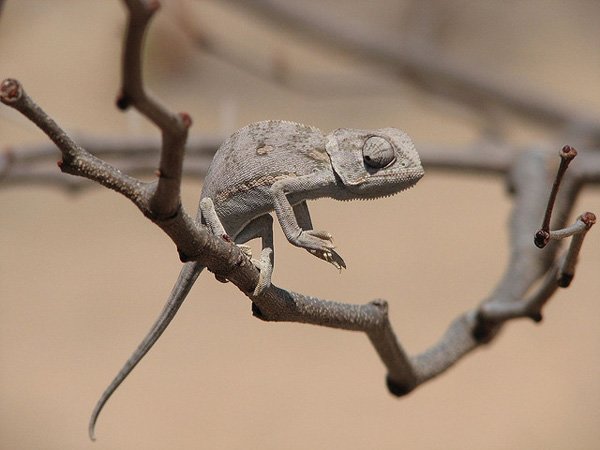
[304,221]
[295,220]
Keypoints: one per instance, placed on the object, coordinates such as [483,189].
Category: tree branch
[166,197]
[134,155]
[528,173]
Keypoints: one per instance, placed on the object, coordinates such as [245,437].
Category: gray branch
[528,173]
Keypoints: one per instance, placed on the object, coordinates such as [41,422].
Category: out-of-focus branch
[34,164]
[425,66]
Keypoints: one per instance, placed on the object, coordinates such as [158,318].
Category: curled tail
[185,281]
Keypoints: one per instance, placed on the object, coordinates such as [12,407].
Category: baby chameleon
[277,166]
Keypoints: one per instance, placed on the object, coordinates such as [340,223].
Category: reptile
[277,165]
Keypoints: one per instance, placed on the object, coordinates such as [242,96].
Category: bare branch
[160,202]
[424,66]
[191,239]
[567,268]
[404,374]
[542,236]
[75,160]
[133,155]
[174,127]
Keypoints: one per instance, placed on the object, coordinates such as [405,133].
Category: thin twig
[166,196]
[542,236]
[567,268]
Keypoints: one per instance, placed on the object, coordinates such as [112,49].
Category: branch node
[565,280]
[397,389]
[182,256]
[6,161]
[541,238]
[186,119]
[380,304]
[537,317]
[10,91]
[484,329]
[152,6]
[123,101]
[256,312]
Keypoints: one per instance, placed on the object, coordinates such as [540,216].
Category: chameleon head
[374,163]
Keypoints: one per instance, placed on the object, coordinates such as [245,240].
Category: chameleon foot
[265,266]
[246,250]
[331,256]
[316,239]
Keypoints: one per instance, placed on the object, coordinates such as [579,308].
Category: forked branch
[159,201]
[174,127]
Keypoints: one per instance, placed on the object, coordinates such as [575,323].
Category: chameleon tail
[188,275]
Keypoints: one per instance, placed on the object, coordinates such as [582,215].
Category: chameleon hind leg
[260,227]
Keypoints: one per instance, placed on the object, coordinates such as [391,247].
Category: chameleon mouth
[406,181]
[407,176]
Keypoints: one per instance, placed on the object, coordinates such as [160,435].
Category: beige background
[83,277]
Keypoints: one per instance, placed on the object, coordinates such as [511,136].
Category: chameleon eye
[378,152]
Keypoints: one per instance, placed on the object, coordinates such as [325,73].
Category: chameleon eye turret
[378,153]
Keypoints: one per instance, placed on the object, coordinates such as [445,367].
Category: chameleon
[277,166]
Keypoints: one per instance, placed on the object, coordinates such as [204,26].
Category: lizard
[277,165]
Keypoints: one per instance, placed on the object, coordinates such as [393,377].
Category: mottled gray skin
[276,166]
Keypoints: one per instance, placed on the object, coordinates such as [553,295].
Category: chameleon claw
[337,261]
[330,256]
[246,250]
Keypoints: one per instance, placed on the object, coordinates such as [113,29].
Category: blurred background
[83,276]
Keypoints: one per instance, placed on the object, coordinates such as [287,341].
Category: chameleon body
[277,166]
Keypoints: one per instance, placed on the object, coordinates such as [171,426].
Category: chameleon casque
[277,166]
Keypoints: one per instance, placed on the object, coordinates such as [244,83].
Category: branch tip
[588,218]
[10,91]
[568,152]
